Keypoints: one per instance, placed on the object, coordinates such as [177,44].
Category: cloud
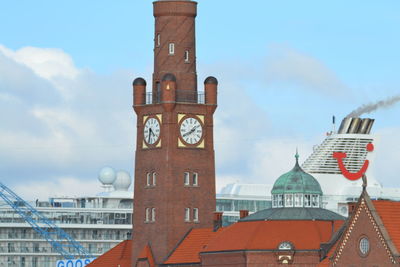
[289,66]
[58,120]
[48,63]
[386,167]
[58,187]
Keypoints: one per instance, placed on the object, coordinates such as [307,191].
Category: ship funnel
[344,126]
[370,126]
[364,126]
[356,126]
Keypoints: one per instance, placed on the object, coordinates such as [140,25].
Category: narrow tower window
[171,48]
[153,214]
[158,40]
[186,56]
[186,178]
[195,179]
[148,179]
[195,214]
[154,178]
[187,214]
[148,210]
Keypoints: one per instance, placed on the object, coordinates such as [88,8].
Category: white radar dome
[123,181]
[107,176]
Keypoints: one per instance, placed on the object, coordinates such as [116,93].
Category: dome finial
[297,155]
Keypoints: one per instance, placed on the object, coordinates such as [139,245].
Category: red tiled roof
[389,211]
[326,261]
[189,249]
[146,254]
[120,255]
[266,235]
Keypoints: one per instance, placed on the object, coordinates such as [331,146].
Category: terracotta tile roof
[120,255]
[326,261]
[389,212]
[189,249]
[147,255]
[267,235]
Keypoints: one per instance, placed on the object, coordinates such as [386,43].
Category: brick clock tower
[174,166]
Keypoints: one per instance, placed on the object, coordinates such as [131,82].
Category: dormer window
[307,200]
[171,48]
[298,200]
[288,200]
[285,246]
[280,201]
[315,201]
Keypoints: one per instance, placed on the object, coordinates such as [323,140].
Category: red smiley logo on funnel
[339,156]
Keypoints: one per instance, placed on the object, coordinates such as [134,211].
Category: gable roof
[120,255]
[389,212]
[385,217]
[267,235]
[189,249]
[147,255]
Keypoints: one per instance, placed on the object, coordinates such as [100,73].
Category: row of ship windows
[47,248]
[171,48]
[295,200]
[85,234]
[189,215]
[189,179]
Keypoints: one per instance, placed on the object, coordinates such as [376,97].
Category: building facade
[174,163]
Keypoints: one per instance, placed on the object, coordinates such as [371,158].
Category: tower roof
[296,181]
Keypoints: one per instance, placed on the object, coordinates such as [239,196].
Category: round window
[364,246]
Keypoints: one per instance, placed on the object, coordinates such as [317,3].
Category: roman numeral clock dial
[151,131]
[191,130]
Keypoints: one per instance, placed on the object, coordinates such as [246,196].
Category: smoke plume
[368,108]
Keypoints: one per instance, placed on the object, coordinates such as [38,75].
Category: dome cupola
[296,188]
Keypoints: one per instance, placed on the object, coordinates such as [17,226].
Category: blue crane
[63,243]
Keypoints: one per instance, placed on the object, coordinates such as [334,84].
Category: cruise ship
[353,136]
[97,222]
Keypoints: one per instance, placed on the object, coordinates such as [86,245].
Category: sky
[284,68]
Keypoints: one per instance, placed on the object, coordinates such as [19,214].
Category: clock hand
[150,133]
[191,131]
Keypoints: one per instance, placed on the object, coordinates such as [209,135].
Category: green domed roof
[296,181]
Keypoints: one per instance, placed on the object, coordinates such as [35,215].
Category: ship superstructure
[352,138]
[97,222]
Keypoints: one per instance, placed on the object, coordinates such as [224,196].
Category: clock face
[191,130]
[151,131]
